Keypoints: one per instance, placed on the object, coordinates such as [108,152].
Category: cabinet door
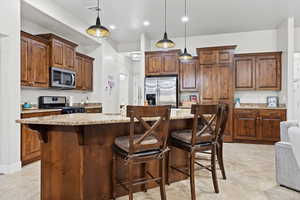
[30,145]
[228,134]
[79,72]
[189,75]
[170,64]
[153,64]
[88,71]
[57,53]
[208,57]
[270,124]
[244,73]
[208,83]
[223,82]
[26,77]
[225,56]
[40,64]
[69,56]
[245,123]
[268,72]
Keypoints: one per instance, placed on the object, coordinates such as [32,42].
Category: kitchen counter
[80,119]
[259,106]
[37,110]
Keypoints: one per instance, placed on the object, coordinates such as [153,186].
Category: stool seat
[186,136]
[123,143]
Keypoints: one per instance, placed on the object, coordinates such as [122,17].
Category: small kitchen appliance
[58,102]
[62,78]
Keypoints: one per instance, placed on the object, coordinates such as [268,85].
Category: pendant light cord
[165,16]
[185,24]
[98,8]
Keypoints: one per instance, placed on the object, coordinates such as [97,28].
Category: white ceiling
[206,16]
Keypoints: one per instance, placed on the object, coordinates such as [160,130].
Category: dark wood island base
[76,161]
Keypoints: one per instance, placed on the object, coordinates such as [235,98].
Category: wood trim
[84,56]
[34,37]
[217,48]
[51,36]
[259,54]
[163,52]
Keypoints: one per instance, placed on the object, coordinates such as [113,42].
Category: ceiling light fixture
[185,56]
[112,27]
[185,19]
[165,43]
[98,30]
[146,23]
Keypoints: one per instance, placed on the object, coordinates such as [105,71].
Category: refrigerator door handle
[158,95]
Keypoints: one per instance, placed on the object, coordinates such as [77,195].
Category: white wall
[297,39]
[9,86]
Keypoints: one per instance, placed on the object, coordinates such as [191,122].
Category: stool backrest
[157,126]
[207,120]
[225,108]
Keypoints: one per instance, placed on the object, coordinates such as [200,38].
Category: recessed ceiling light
[112,27]
[146,23]
[185,19]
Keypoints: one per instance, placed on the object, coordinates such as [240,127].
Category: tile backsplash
[256,96]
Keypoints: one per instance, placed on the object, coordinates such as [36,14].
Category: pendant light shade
[165,43]
[98,30]
[185,56]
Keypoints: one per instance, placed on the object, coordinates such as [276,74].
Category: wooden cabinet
[93,110]
[189,75]
[84,72]
[162,62]
[30,143]
[259,125]
[34,61]
[62,52]
[258,71]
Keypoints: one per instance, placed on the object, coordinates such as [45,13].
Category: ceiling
[206,16]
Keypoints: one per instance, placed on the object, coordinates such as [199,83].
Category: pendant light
[98,30]
[165,43]
[185,56]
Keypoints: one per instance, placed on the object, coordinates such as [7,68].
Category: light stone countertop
[80,119]
[260,106]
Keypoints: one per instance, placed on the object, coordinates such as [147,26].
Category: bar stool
[141,148]
[202,138]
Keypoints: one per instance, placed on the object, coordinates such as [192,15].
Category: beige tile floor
[250,171]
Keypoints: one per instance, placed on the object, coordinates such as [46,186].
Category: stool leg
[192,175]
[145,167]
[163,178]
[130,178]
[168,167]
[213,168]
[220,159]
[114,177]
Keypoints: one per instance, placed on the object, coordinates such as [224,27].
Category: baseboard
[11,168]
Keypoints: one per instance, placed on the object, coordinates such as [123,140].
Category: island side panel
[61,165]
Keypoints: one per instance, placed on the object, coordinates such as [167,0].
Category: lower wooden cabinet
[258,125]
[30,143]
[93,110]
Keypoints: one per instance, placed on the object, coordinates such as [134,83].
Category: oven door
[62,78]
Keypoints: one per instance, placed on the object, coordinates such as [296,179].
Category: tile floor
[250,170]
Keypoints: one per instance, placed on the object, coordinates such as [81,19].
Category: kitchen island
[76,157]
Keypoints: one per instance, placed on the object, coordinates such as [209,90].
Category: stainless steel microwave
[62,78]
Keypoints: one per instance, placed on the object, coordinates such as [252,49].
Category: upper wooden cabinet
[84,72]
[189,75]
[216,73]
[161,62]
[62,52]
[34,61]
[258,71]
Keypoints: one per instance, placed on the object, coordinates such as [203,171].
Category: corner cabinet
[258,71]
[84,72]
[34,61]
[162,63]
[189,75]
[258,125]
[62,52]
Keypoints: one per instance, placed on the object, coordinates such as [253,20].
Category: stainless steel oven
[62,78]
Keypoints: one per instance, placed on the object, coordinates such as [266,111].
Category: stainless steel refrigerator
[161,90]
